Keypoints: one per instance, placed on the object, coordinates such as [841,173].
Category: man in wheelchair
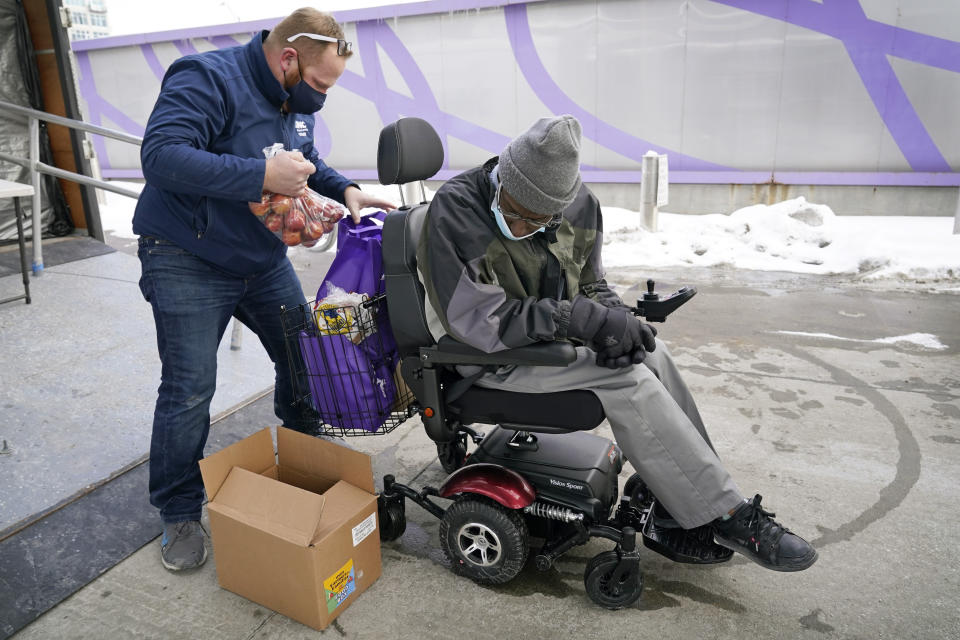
[511,256]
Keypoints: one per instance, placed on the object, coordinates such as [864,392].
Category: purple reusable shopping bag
[352,381]
[349,389]
[358,266]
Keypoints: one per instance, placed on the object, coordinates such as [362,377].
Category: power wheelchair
[537,483]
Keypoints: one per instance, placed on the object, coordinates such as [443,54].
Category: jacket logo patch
[301,128]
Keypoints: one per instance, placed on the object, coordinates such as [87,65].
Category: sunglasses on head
[343,47]
[550,223]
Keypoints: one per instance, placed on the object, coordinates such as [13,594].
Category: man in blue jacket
[204,256]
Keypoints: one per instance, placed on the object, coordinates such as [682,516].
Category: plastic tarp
[14,136]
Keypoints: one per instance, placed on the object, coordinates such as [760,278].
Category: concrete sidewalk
[79,372]
[854,443]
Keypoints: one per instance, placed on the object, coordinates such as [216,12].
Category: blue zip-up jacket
[202,157]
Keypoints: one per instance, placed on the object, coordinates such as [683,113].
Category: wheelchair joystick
[656,309]
[651,294]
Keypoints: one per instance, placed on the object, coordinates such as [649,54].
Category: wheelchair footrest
[692,546]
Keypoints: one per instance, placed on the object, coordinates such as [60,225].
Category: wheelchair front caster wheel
[611,586]
[393,518]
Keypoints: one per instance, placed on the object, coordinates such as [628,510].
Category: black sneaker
[753,532]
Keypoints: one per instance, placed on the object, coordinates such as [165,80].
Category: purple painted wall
[534,34]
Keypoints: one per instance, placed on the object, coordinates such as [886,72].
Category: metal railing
[36,167]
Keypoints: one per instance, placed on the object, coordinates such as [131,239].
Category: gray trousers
[654,420]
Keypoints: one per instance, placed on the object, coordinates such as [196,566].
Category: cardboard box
[295,532]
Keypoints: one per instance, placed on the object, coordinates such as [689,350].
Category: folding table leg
[23,248]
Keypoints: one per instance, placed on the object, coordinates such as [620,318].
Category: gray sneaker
[181,546]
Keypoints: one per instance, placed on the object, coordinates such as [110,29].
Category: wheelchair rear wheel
[483,540]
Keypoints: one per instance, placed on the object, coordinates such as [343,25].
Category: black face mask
[304,98]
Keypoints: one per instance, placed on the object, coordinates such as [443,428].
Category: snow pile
[793,235]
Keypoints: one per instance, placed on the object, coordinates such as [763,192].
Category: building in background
[88,19]
[753,103]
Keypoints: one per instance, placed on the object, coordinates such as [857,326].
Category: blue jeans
[192,303]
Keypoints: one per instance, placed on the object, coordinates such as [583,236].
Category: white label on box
[365,528]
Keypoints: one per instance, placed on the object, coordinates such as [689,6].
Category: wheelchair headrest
[409,151]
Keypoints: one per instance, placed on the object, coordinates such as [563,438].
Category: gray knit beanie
[541,167]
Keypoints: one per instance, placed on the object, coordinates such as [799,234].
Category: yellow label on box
[339,586]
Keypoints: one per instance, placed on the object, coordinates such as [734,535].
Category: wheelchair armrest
[543,354]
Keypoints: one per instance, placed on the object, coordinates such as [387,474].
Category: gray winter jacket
[493,293]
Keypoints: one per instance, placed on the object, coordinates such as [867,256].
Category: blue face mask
[304,98]
[504,227]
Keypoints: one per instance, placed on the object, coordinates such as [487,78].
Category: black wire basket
[345,369]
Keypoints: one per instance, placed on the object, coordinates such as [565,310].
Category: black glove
[613,332]
[647,343]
